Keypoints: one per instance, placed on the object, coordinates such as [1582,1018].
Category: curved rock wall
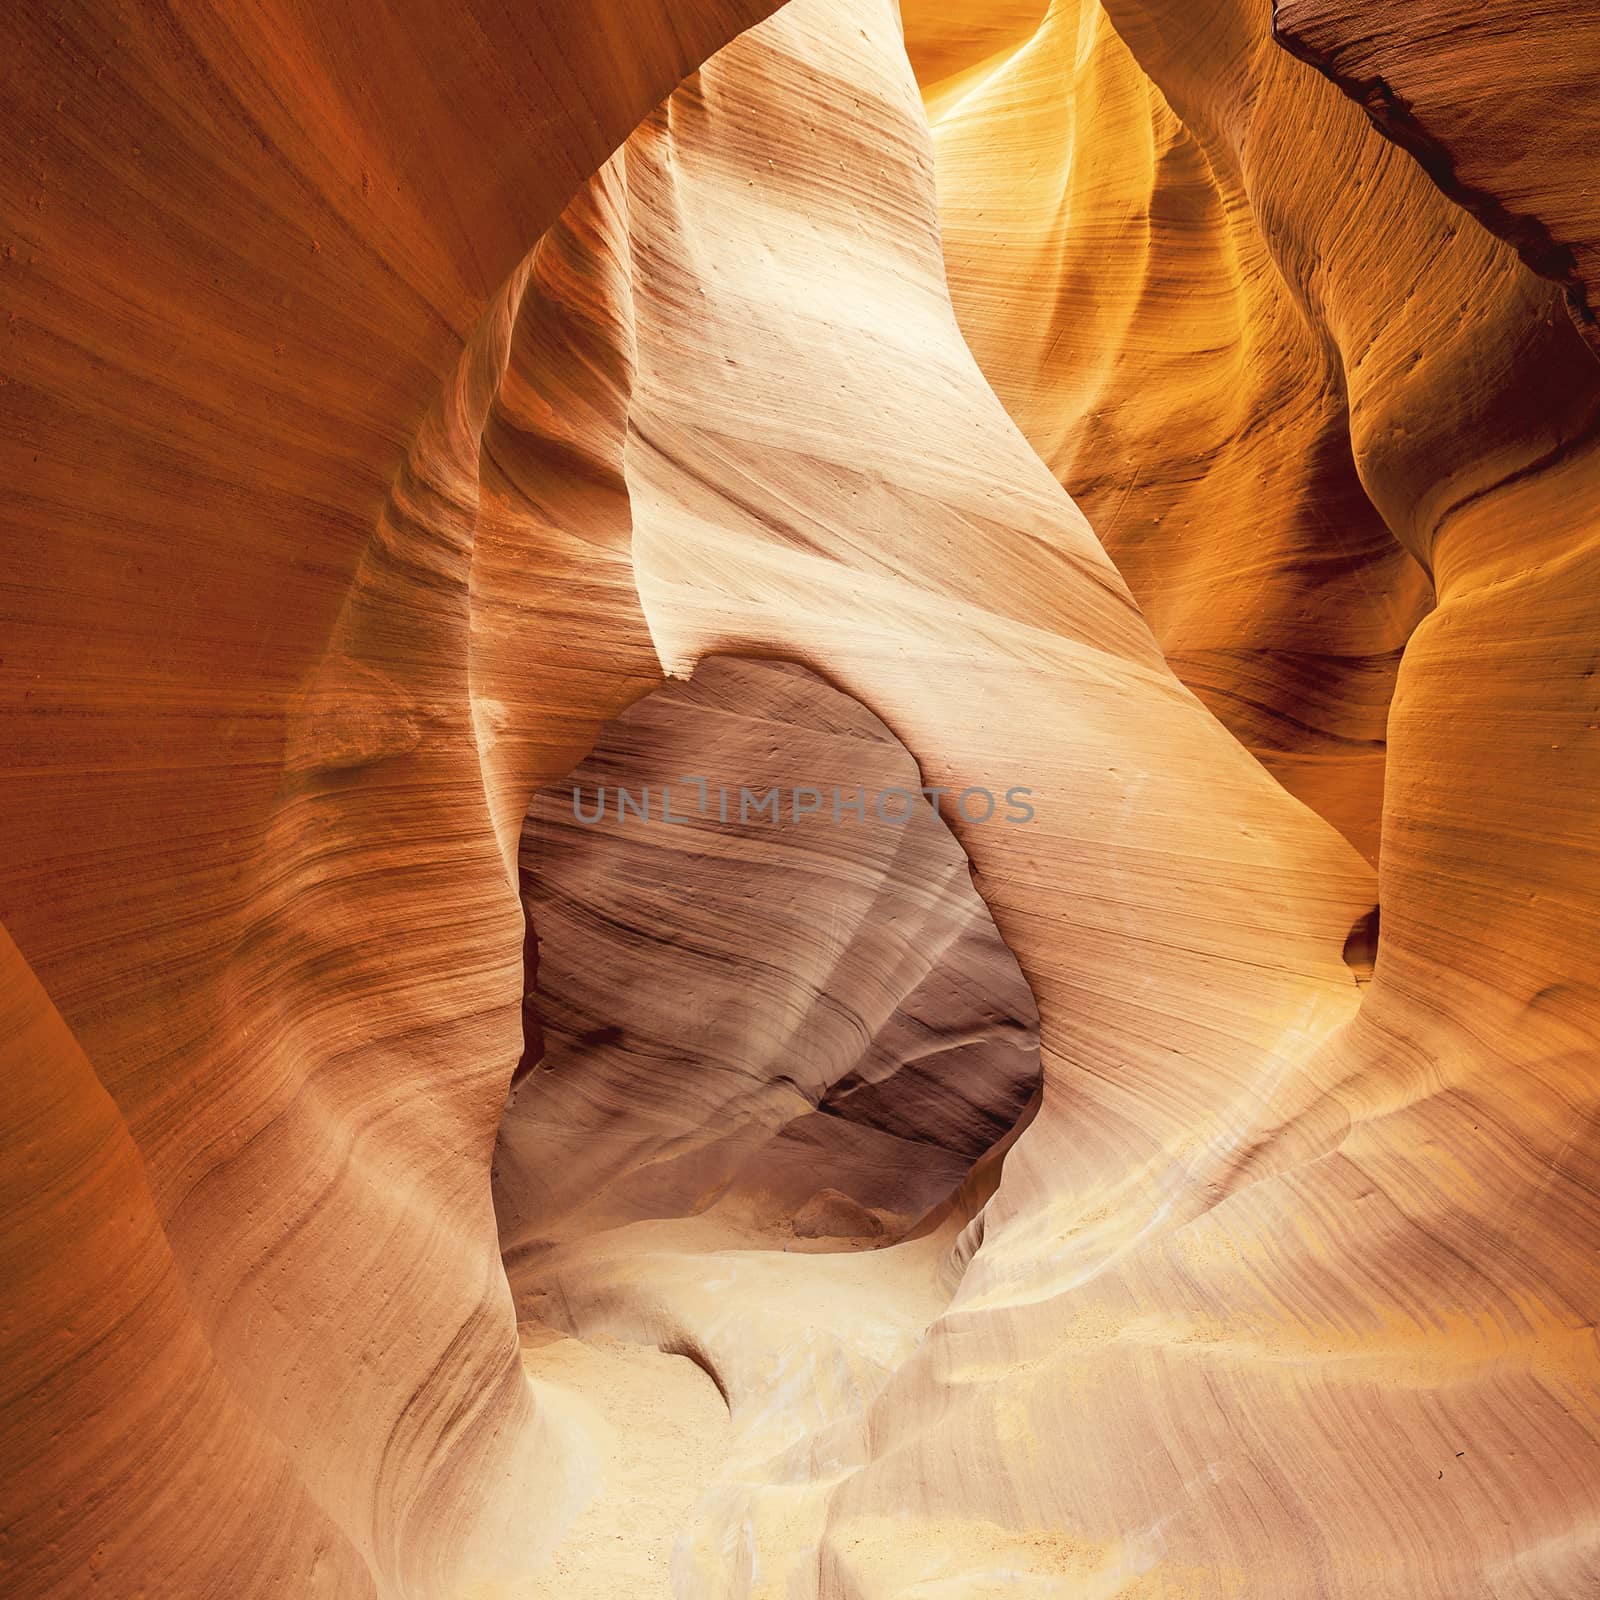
[1288,1288]
[1220,1336]
[1497,102]
[246,847]
[1186,399]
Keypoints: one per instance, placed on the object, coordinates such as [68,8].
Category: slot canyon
[800,801]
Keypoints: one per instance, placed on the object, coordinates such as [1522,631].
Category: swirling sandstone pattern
[762,972]
[252,868]
[1497,102]
[1181,920]
[1186,400]
[1288,1289]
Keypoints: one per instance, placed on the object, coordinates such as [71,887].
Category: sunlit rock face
[1095,397]
[1183,396]
[762,974]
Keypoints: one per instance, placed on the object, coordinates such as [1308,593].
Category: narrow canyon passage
[775,1050]
[704,711]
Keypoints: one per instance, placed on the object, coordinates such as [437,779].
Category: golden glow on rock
[1098,397]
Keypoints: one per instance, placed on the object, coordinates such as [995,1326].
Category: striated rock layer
[246,853]
[1252,1288]
[816,469]
[1496,101]
[762,972]
[1117,284]
[1288,1288]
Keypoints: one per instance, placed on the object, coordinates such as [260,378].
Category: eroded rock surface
[762,970]
[1498,103]
[366,451]
[1186,399]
